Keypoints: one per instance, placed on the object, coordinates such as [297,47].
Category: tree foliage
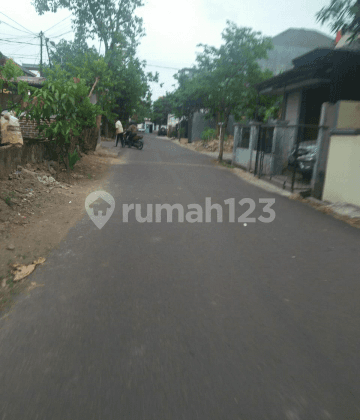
[9,73]
[161,108]
[124,86]
[112,21]
[222,80]
[341,14]
[77,59]
[62,110]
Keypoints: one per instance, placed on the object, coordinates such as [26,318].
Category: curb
[267,186]
[240,174]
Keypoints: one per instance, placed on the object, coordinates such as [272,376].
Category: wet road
[188,321]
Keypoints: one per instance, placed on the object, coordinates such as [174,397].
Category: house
[313,91]
[27,72]
[288,45]
[29,77]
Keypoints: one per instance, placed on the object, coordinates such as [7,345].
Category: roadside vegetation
[78,75]
[221,83]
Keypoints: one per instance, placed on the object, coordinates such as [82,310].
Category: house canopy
[319,66]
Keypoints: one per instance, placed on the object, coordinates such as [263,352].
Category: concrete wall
[348,115]
[293,103]
[327,119]
[198,125]
[230,127]
[343,170]
[33,151]
[242,158]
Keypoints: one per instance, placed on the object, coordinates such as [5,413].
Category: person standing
[119,133]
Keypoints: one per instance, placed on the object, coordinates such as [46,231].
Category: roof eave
[280,90]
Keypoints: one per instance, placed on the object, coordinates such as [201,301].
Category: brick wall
[33,151]
[28,129]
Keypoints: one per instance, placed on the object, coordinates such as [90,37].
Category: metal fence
[284,154]
[293,156]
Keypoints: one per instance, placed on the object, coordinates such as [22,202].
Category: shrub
[208,134]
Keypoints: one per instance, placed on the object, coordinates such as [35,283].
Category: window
[265,139]
[245,138]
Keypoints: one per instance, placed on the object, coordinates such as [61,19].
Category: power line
[162,67]
[21,55]
[17,23]
[58,23]
[53,37]
[17,29]
[17,42]
[58,30]
[12,36]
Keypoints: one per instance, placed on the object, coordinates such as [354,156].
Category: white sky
[173,29]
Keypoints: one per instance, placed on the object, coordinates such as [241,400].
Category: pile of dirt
[29,188]
[37,208]
[212,145]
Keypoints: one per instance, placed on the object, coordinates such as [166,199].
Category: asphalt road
[189,321]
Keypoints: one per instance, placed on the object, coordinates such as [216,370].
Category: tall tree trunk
[217,124]
[106,127]
[98,124]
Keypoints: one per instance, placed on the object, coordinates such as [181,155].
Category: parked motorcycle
[139,143]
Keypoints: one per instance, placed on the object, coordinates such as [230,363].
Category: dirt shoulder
[206,146]
[37,211]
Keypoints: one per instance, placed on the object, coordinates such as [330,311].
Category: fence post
[327,118]
[279,126]
[237,139]
[254,131]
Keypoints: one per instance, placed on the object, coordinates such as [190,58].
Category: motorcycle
[139,143]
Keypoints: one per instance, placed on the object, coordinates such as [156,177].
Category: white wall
[342,181]
[293,103]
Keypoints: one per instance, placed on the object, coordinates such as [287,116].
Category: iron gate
[263,147]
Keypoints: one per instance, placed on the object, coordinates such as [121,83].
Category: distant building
[172,120]
[293,43]
[343,40]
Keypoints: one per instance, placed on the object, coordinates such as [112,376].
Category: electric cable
[17,23]
[57,23]
[17,29]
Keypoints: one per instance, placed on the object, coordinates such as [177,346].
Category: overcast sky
[173,28]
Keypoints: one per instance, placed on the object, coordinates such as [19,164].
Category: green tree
[113,21]
[161,108]
[188,97]
[123,88]
[227,73]
[68,100]
[341,14]
[9,73]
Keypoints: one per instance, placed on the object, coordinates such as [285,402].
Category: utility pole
[47,49]
[41,48]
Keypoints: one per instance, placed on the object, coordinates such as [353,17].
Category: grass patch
[227,165]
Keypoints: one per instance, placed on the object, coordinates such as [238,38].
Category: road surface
[189,321]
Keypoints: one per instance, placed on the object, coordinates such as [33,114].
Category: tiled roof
[34,81]
[3,60]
